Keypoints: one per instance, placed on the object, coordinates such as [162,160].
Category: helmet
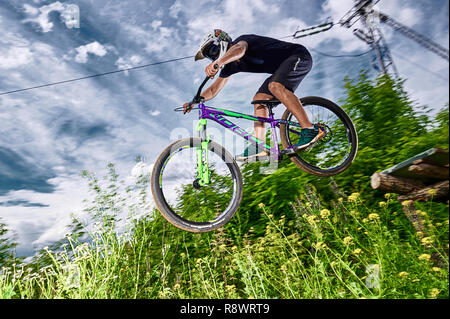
[214,45]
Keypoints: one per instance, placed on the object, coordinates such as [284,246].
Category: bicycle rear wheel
[181,198]
[334,153]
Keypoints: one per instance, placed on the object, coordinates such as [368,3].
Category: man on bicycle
[288,63]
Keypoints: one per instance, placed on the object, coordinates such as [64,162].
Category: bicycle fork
[203,172]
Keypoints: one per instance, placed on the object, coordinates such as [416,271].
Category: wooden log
[394,184]
[429,170]
[434,191]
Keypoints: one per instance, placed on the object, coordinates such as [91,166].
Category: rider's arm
[209,93]
[214,89]
[236,52]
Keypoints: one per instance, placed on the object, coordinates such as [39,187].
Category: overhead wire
[174,60]
[94,75]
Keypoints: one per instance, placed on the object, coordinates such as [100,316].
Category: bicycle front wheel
[187,202]
[335,152]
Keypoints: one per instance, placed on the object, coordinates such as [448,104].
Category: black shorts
[290,72]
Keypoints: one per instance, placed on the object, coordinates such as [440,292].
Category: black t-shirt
[263,55]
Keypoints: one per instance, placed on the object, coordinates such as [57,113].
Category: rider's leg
[253,152]
[283,84]
[291,102]
[260,128]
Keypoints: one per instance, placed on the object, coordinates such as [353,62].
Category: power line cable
[342,55]
[153,64]
[94,75]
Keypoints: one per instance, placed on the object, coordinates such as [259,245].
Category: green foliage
[7,246]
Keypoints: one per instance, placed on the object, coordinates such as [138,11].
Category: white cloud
[14,57]
[175,9]
[126,63]
[93,47]
[42,14]
[155,112]
[70,191]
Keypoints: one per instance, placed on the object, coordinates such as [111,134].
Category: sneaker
[309,137]
[252,153]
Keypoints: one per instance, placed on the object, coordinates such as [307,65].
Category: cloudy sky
[49,135]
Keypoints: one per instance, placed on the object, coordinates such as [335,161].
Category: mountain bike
[197,184]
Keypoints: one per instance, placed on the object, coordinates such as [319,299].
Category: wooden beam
[393,184]
[429,170]
[437,190]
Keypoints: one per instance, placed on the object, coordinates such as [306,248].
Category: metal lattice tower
[413,35]
[371,34]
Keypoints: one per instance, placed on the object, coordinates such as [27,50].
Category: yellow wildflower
[434,292]
[432,192]
[382,204]
[427,240]
[436,269]
[348,240]
[353,197]
[357,251]
[407,202]
[311,219]
[261,205]
[374,216]
[283,268]
[308,204]
[403,274]
[176,286]
[424,257]
[415,280]
[420,212]
[319,245]
[387,195]
[340,199]
[182,255]
[324,213]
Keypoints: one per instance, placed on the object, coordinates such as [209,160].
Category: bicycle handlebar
[198,98]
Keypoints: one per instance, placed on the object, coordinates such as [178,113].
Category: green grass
[322,253]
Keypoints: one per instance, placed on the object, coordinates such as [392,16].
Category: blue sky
[49,135]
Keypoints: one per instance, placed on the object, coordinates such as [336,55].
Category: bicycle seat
[271,103]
